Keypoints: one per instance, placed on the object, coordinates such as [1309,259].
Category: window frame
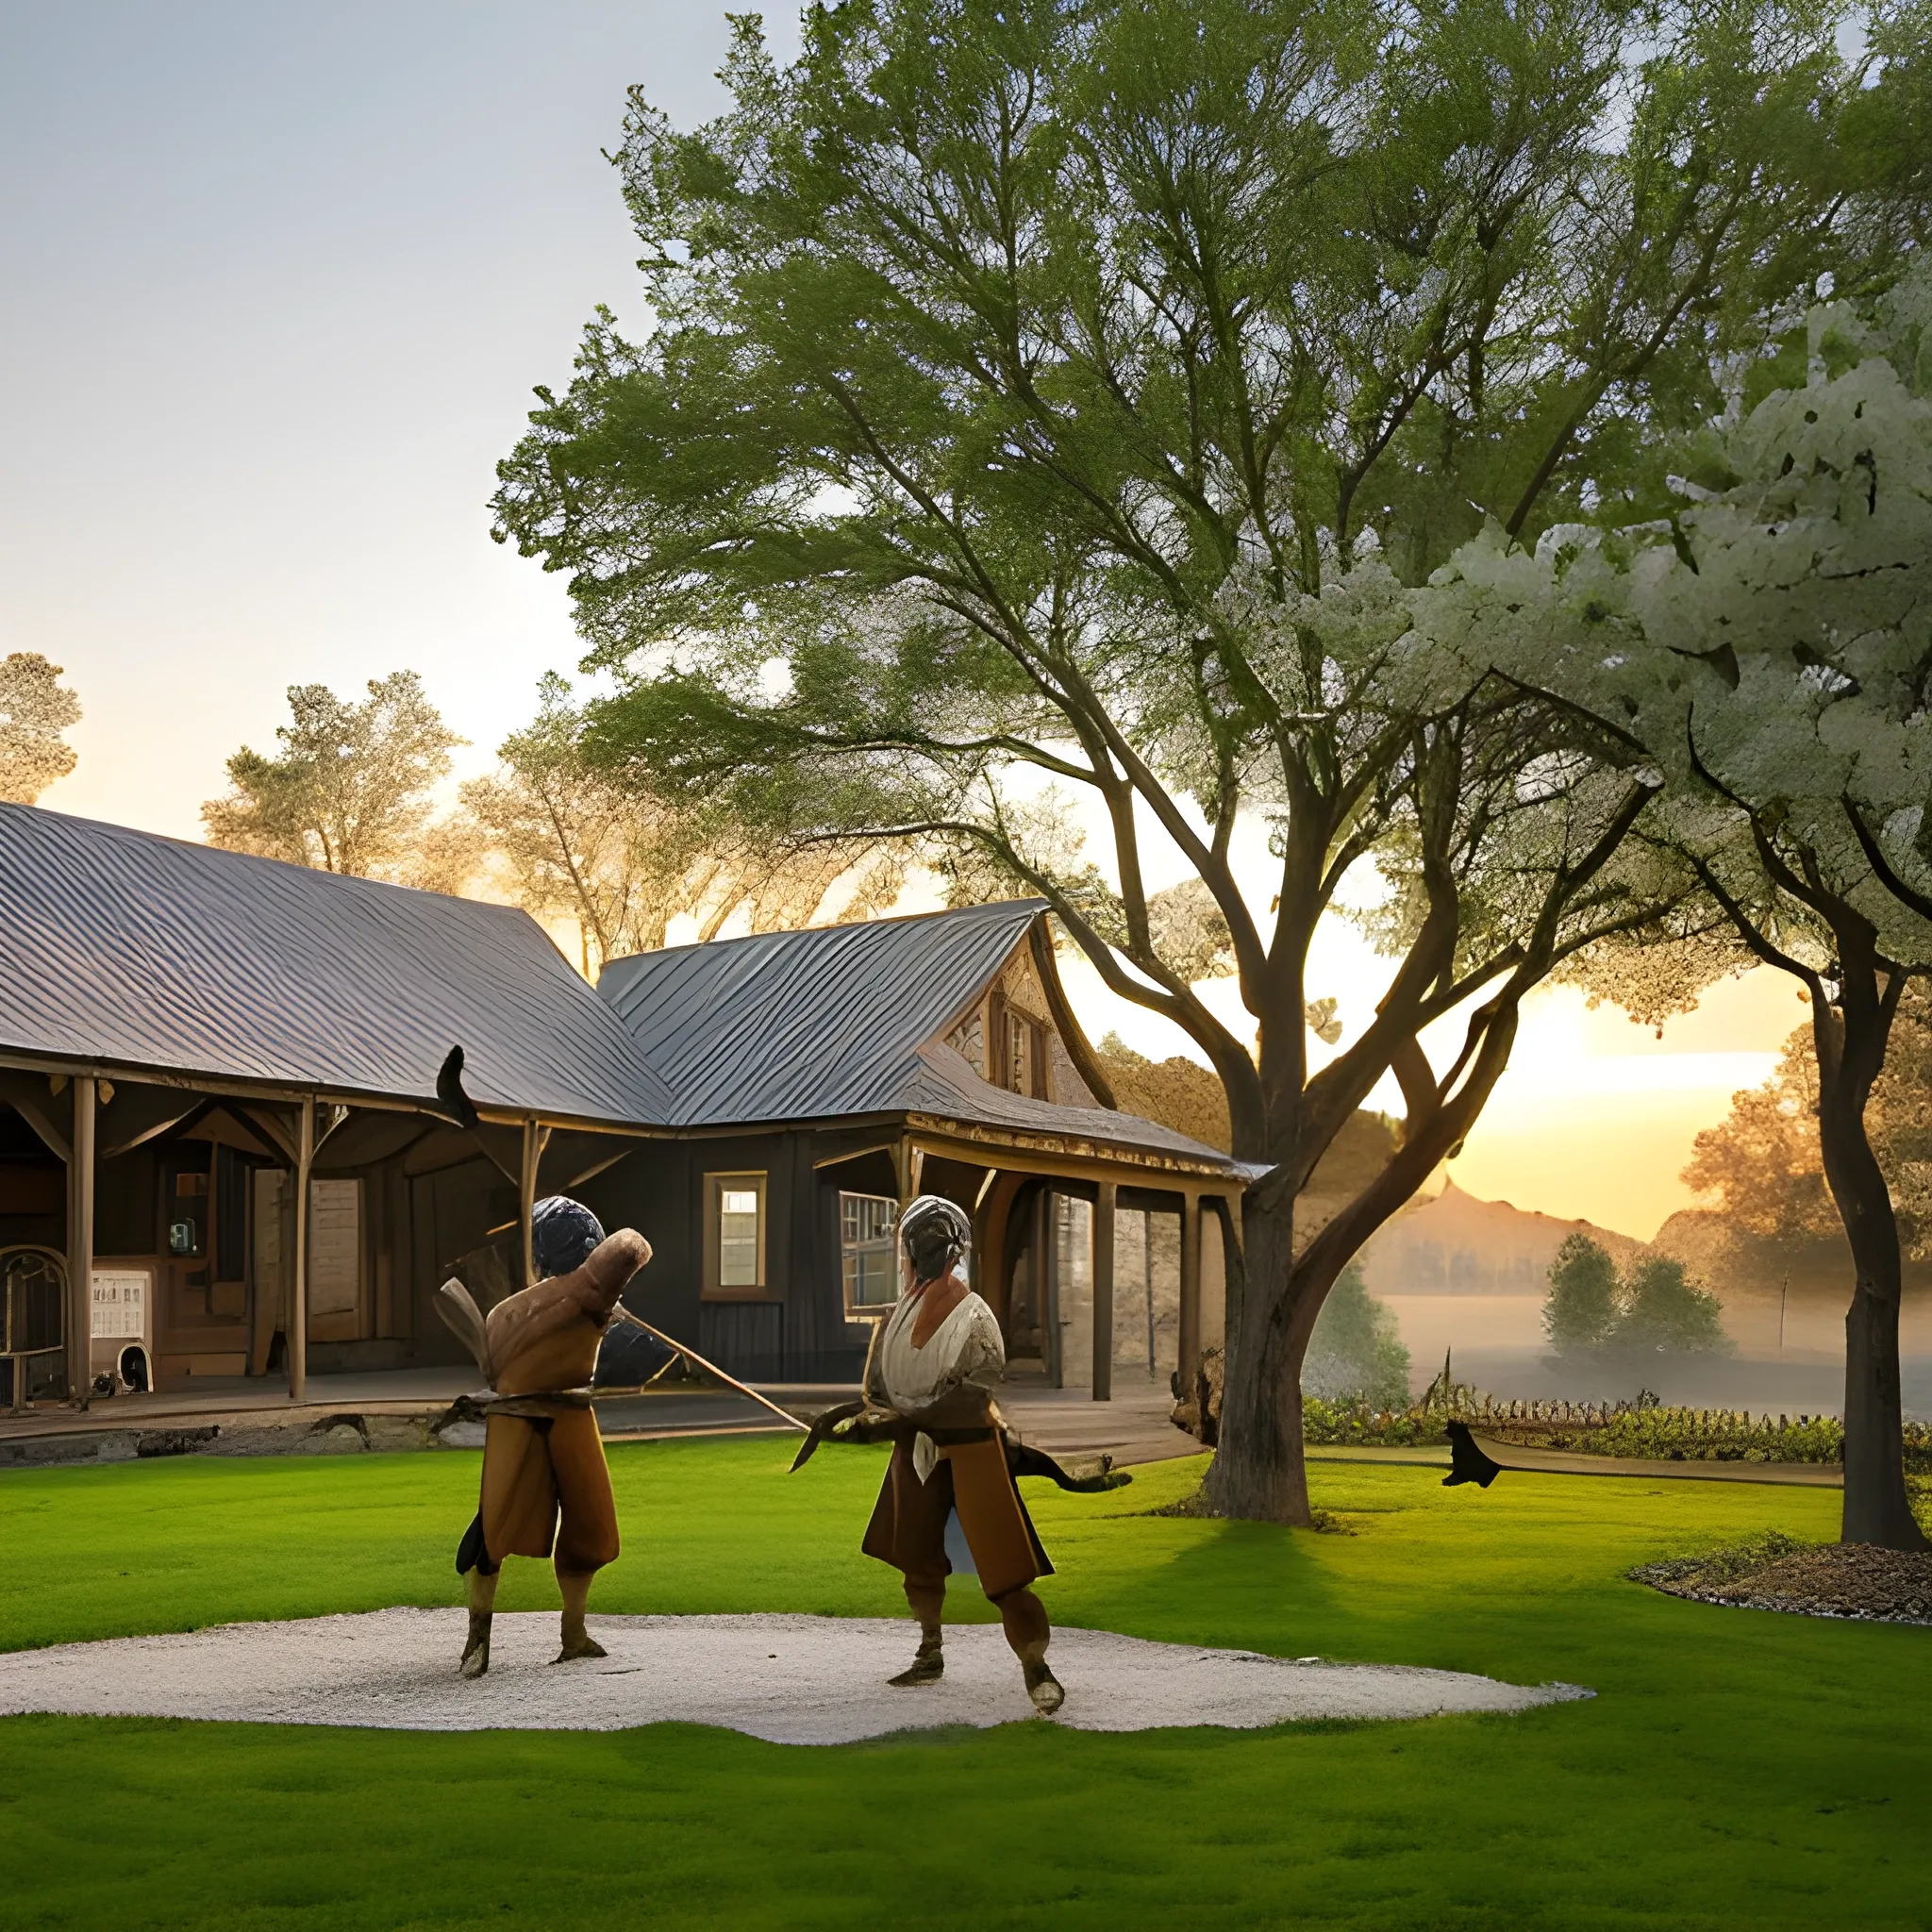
[867,1311]
[715,1290]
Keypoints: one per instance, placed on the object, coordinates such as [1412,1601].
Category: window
[869,1252]
[1023,1067]
[735,1236]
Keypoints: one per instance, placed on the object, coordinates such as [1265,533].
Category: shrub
[1356,1354]
[1656,1309]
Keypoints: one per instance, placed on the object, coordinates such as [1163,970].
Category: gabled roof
[841,1021]
[798,1025]
[121,948]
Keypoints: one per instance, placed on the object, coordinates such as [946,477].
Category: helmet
[563,1236]
[934,1233]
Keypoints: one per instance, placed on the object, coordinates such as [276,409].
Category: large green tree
[1056,396]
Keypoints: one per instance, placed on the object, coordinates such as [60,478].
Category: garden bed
[1776,1572]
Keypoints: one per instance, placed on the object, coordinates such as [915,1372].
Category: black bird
[449,1089]
[1467,1462]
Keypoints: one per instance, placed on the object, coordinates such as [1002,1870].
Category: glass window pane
[868,1252]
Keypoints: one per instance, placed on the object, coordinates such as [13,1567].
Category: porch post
[526,1199]
[1103,1291]
[80,1243]
[1190,1348]
[298,1300]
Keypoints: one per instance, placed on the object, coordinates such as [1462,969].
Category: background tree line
[351,789]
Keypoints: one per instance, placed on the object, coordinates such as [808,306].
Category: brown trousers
[534,1470]
[908,1531]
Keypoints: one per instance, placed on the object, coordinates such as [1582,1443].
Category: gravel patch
[789,1679]
[1853,1580]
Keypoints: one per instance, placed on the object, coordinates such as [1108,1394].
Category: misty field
[1736,1768]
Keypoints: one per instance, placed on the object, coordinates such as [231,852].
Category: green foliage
[1581,1307]
[1027,380]
[1356,1354]
[1643,1429]
[36,711]
[1663,1313]
[350,791]
[1653,1311]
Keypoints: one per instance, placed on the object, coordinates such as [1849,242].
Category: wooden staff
[691,1354]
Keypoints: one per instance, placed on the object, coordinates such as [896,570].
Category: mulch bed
[1776,1572]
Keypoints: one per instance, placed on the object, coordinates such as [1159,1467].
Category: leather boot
[928,1661]
[578,1642]
[480,1593]
[1042,1687]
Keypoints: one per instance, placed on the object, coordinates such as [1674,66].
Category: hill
[1458,1244]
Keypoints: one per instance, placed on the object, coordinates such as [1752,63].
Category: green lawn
[1736,1768]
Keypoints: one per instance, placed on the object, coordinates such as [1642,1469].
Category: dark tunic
[545,1461]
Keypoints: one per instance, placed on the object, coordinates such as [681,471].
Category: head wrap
[563,1235]
[934,1233]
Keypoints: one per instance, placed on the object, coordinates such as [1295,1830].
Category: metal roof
[121,948]
[843,1020]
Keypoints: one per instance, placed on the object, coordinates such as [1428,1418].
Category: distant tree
[1356,1354]
[1761,1162]
[1591,1311]
[35,710]
[1660,1312]
[1580,1309]
[1762,1166]
[623,863]
[350,789]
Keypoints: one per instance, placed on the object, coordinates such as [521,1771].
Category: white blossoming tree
[1765,650]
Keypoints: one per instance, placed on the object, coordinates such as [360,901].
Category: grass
[1736,1768]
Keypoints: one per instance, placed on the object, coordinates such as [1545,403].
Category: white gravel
[790,1679]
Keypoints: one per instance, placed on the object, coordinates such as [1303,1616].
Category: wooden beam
[56,1142]
[131,1141]
[1077,1160]
[1190,1345]
[1103,1292]
[298,1309]
[534,1140]
[80,1246]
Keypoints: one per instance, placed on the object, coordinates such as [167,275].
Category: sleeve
[608,1272]
[983,1354]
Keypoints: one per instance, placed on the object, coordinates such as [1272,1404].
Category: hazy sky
[279,280]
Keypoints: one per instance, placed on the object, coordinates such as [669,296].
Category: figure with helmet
[949,1491]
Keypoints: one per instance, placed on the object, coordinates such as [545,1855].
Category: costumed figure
[546,1488]
[928,1388]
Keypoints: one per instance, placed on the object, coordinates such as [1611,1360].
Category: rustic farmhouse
[251,1115]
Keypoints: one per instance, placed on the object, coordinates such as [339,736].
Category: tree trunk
[1259,1473]
[1878,1509]
[1876,1506]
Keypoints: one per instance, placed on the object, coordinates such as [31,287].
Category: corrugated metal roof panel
[119,947]
[797,1025]
[843,1020]
[945,1084]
